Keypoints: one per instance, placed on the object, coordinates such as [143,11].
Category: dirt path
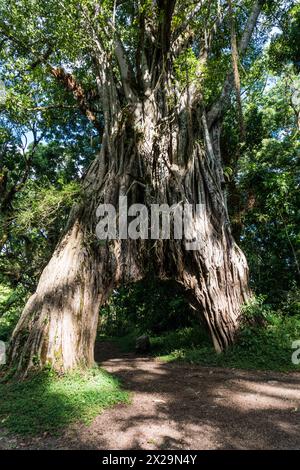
[177,406]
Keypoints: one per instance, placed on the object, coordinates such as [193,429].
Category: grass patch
[182,339]
[235,357]
[267,346]
[48,402]
[188,337]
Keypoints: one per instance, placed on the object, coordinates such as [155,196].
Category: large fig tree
[138,70]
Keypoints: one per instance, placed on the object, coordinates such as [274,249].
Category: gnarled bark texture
[59,322]
[160,146]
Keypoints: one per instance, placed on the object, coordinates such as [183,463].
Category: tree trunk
[151,156]
[160,146]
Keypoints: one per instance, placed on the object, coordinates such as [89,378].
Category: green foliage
[266,174]
[285,48]
[264,342]
[39,215]
[291,306]
[11,304]
[181,339]
[149,306]
[267,179]
[48,402]
[272,223]
[186,66]
[42,206]
[267,347]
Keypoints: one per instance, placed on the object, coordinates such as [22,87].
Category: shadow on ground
[178,406]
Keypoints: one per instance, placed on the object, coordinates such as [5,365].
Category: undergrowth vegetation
[265,340]
[58,98]
[48,402]
[11,304]
[149,305]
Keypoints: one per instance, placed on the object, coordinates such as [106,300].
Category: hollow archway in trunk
[58,325]
[148,307]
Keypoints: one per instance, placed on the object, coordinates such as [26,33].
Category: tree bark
[150,160]
[160,146]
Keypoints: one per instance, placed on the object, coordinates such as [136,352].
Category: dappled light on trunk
[160,145]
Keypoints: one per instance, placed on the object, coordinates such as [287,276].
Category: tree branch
[236,73]
[70,84]
[112,36]
[218,108]
[126,71]
[182,28]
[166,8]
[9,196]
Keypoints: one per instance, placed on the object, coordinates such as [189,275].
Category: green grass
[235,357]
[48,402]
[267,347]
[182,338]
[264,347]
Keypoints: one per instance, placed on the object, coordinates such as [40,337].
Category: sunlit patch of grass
[47,402]
[267,347]
[235,357]
[260,347]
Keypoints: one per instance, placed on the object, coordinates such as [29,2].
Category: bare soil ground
[177,406]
